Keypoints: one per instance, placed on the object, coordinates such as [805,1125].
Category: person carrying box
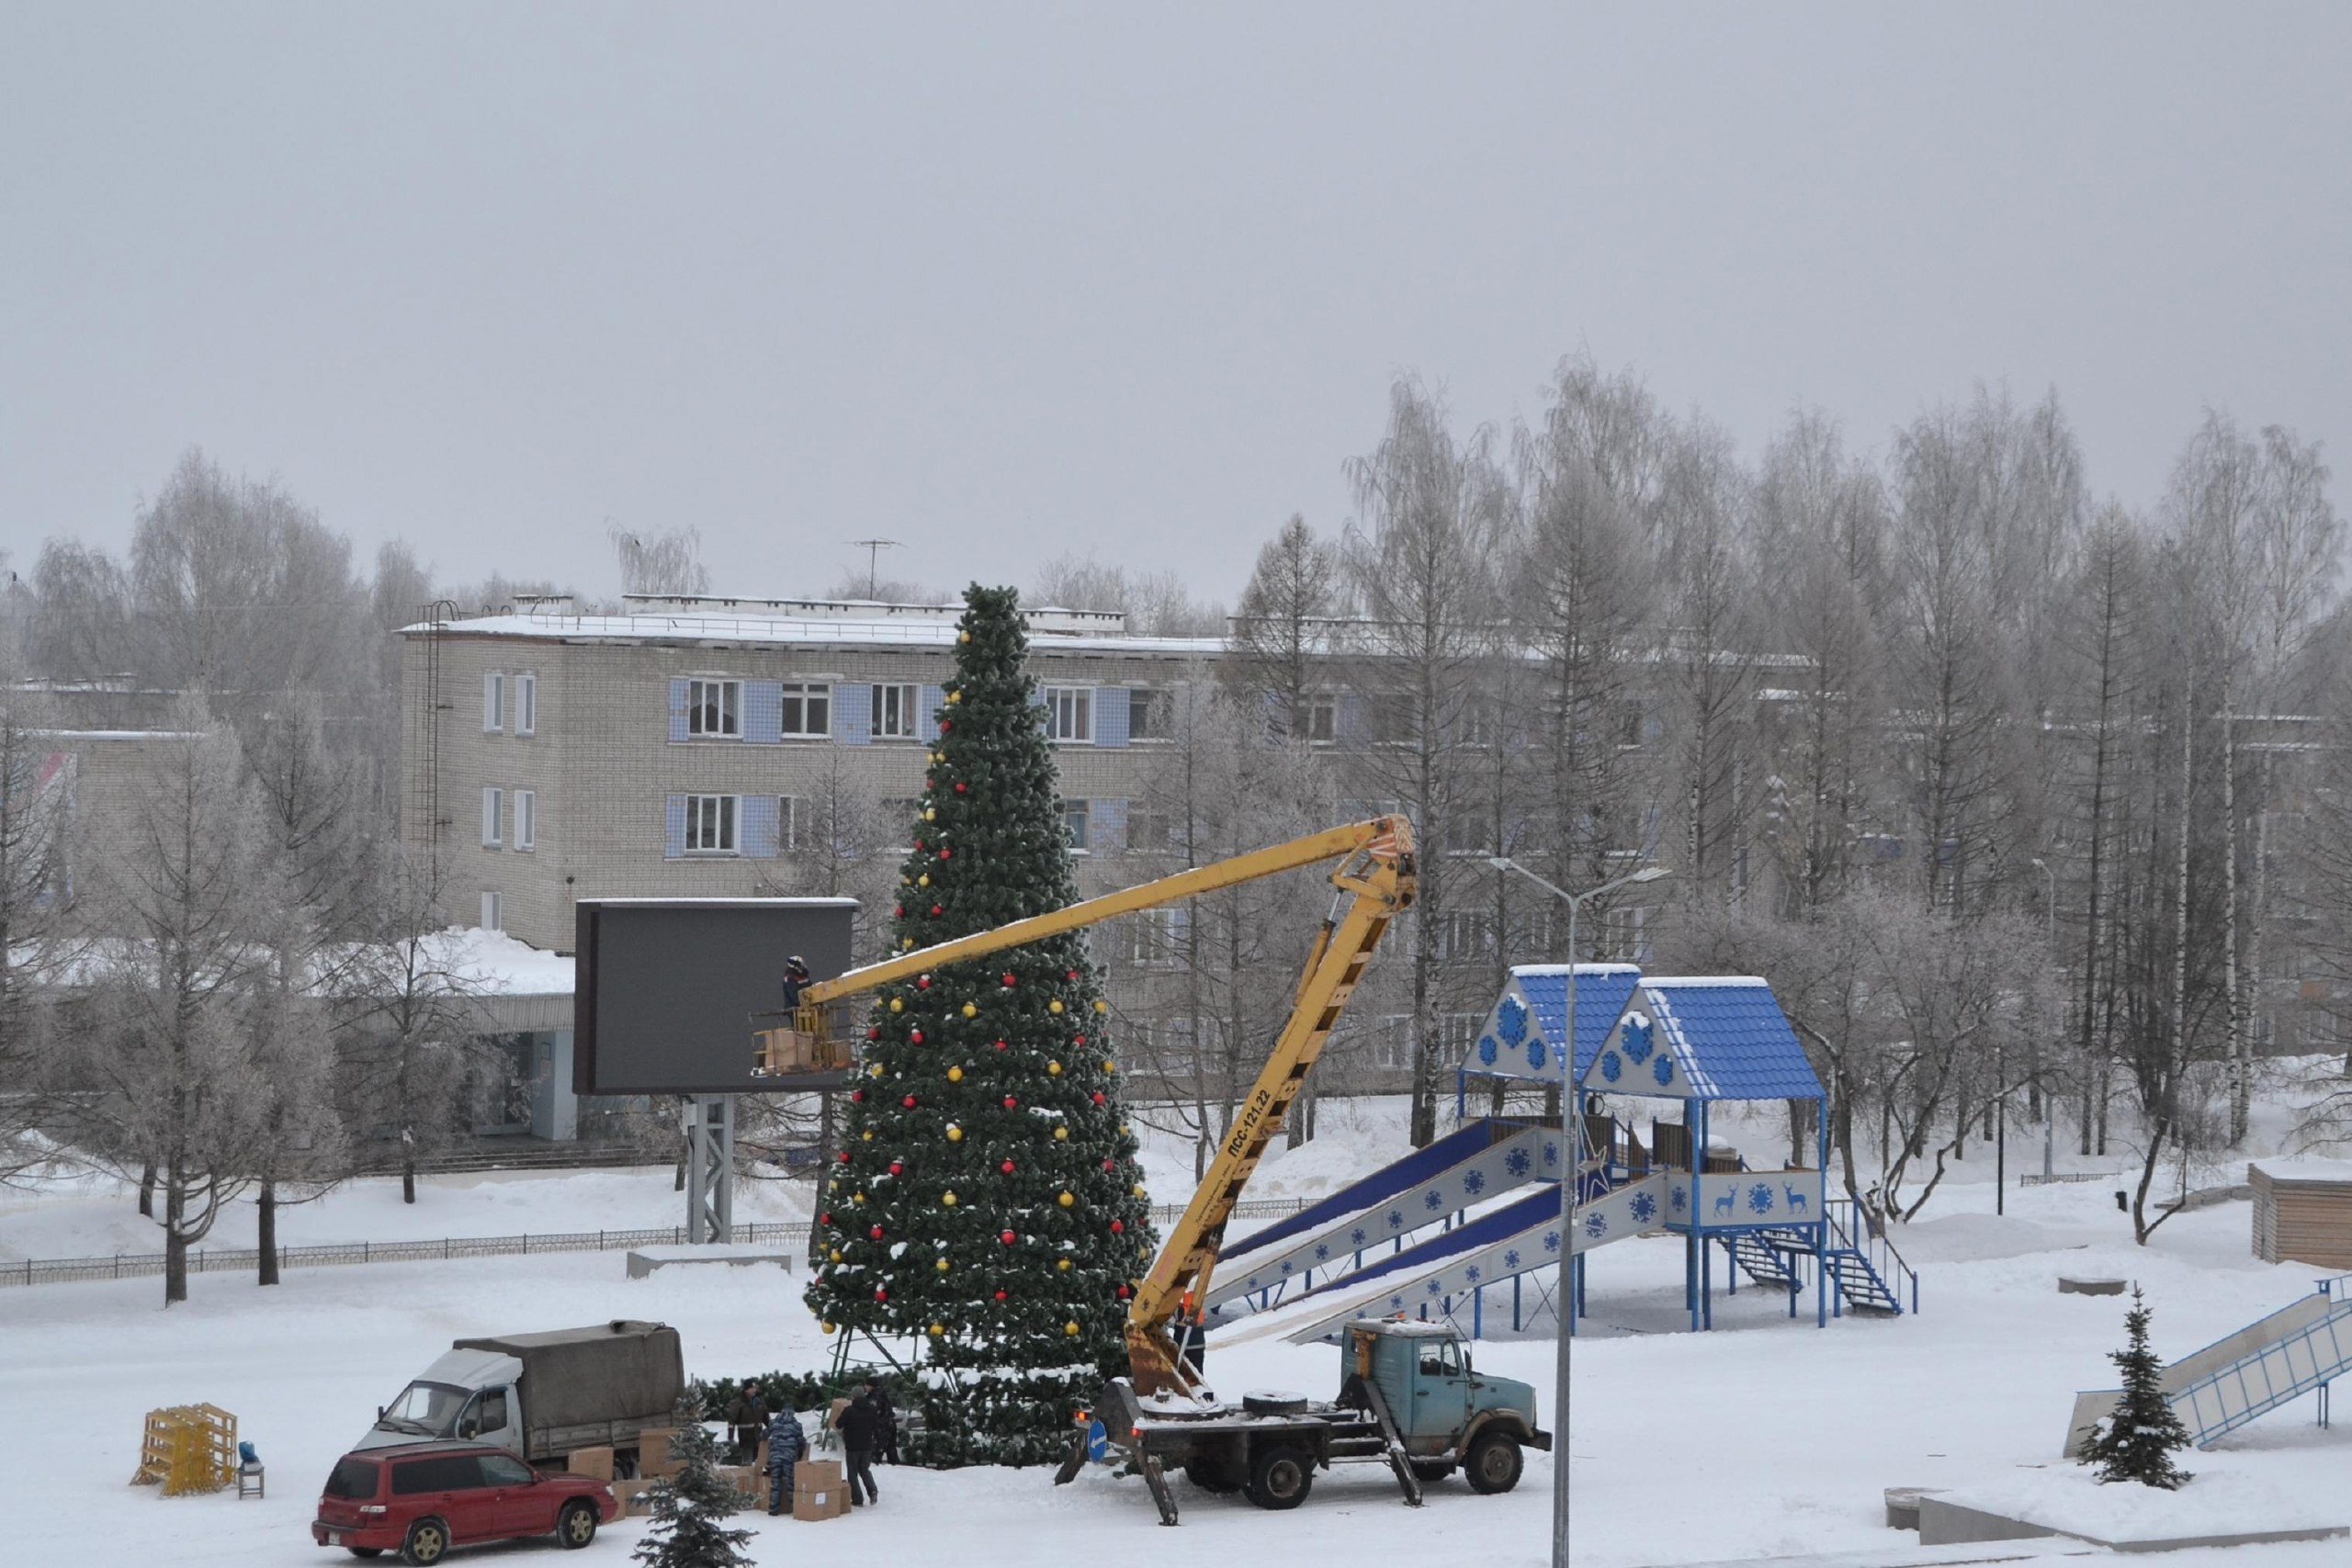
[786,1445]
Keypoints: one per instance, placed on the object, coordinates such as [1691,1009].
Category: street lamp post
[1570,1135]
[2049,946]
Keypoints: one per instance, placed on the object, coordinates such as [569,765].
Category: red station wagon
[421,1499]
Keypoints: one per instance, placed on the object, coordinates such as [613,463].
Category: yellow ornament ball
[1066,1200]
[1063,1266]
[1061,1135]
[929,815]
[963,637]
[825,1327]
[954,1133]
[941,1266]
[1070,1328]
[874,1071]
[1053,1006]
[1139,1190]
[948,1199]
[1054,1069]
[857,1197]
[909,941]
[867,1134]
[955,696]
[835,1255]
[1109,1065]
[1102,1006]
[955,1075]
[1123,1127]
[898,1004]
[971,1010]
[938,1330]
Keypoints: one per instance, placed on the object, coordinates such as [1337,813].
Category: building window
[526,819]
[493,809]
[493,910]
[527,704]
[791,820]
[710,824]
[714,708]
[493,702]
[1148,714]
[1156,937]
[1074,819]
[1322,717]
[894,713]
[1461,933]
[1069,713]
[807,708]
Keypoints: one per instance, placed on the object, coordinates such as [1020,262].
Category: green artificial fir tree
[2138,1441]
[691,1508]
[986,1201]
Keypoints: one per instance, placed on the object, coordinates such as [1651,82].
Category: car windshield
[429,1409]
[353,1478]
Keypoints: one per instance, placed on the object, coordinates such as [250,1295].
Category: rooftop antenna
[873,548]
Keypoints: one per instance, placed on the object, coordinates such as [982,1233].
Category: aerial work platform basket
[812,1043]
[188,1448]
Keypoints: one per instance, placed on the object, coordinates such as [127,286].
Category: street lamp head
[1651,874]
[1500,862]
[2038,865]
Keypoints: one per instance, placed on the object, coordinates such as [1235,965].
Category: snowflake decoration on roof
[1357,1236]
[1395,1301]
[1474,1182]
[1678,1198]
[1612,1066]
[1510,1020]
[1551,1153]
[1487,1049]
[1759,1198]
[1473,1273]
[1322,1251]
[1395,1219]
[1510,1259]
[1517,1162]
[1644,1207]
[1437,1287]
[1288,1265]
[1551,1241]
[1536,1055]
[1596,1225]
[1636,1040]
[1663,1069]
[1433,1198]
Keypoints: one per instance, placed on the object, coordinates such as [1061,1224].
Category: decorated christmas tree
[2138,1441]
[985,1200]
[690,1509]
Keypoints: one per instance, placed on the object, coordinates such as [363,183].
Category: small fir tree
[2138,1441]
[985,1200]
[691,1508]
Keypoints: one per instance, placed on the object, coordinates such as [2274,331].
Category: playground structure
[188,1448]
[1445,1231]
[2273,1360]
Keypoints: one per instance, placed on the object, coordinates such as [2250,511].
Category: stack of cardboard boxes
[817,1493]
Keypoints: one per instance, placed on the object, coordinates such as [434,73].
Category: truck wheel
[1211,1475]
[429,1541]
[1493,1464]
[1280,1476]
[576,1526]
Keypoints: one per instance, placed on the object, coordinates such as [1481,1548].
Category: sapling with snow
[2137,1442]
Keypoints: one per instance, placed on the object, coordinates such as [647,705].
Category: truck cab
[1446,1412]
[464,1396]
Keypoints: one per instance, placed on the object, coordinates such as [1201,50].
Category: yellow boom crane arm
[1376,867]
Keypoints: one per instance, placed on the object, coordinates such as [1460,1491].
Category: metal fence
[247,1260]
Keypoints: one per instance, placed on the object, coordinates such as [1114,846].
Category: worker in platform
[796,977]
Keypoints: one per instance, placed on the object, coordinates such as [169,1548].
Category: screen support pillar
[710,1167]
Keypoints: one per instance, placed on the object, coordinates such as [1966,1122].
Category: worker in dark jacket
[889,1450]
[795,976]
[786,1445]
[747,1417]
[860,1430]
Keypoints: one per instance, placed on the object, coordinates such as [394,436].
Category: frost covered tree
[985,1200]
[2138,1441]
[691,1508]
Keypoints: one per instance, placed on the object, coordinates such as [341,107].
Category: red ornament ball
[857,1097]
[946,853]
[999,1045]
[1010,1103]
[999,1295]
[1124,1292]
[1006,1237]
[946,725]
[1118,1227]
[936,909]
[843,1157]
[1077,1039]
[923,982]
[1110,1165]
[896,1169]
[881,1294]
[1098,1097]
[1010,979]
[900,911]
[874,1032]
[918,846]
[1071,976]
[826,1218]
[876,1233]
[959,786]
[1006,1167]
[909,1102]
[915,1035]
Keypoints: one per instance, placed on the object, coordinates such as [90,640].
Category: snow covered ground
[1765,1437]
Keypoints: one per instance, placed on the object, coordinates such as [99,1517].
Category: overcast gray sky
[1000,281]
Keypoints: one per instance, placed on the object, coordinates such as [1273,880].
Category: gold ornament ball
[1053,1006]
[1061,1135]
[898,1004]
[867,1134]
[857,1197]
[955,696]
[929,815]
[825,1327]
[1063,1266]
[941,1266]
[1102,1006]
[1070,1328]
[955,1075]
[954,1133]
[1122,1128]
[963,637]
[948,1199]
[1109,1065]
[1053,1069]
[971,1010]
[938,1330]
[910,942]
[1138,1189]
[835,1255]
[1066,1200]
[923,881]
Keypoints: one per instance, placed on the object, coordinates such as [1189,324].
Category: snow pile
[2072,1501]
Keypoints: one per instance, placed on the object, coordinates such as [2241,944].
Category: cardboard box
[816,1505]
[636,1496]
[598,1462]
[653,1451]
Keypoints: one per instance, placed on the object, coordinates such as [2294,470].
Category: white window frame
[1148,700]
[791,822]
[493,909]
[493,702]
[526,702]
[726,693]
[900,725]
[802,700]
[1078,818]
[1069,715]
[494,813]
[1322,719]
[526,820]
[714,826]
[1156,938]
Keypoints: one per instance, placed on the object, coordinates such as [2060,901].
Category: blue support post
[1478,1312]
[1514,1302]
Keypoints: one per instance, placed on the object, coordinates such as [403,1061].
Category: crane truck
[1407,1395]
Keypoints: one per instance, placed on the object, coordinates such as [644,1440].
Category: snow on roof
[784,631]
[493,964]
[2303,1168]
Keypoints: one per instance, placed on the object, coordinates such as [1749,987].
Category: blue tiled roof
[1602,993]
[1730,1038]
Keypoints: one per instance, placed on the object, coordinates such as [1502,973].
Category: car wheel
[429,1541]
[365,1550]
[1211,1475]
[1280,1477]
[1493,1464]
[576,1526]
[1430,1471]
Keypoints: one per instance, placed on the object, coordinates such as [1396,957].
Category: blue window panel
[674,839]
[854,713]
[759,826]
[764,711]
[1353,732]
[928,702]
[678,717]
[1106,827]
[1109,715]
